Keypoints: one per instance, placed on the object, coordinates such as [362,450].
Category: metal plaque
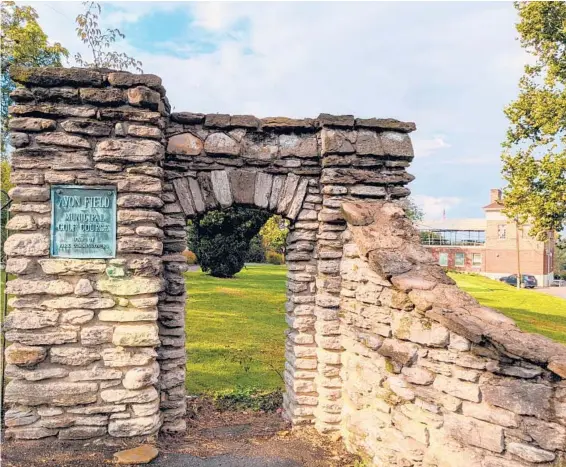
[83,221]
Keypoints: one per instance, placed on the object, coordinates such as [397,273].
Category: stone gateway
[381,345]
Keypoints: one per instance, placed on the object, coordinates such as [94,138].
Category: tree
[412,210]
[22,43]
[98,41]
[221,239]
[534,153]
[274,234]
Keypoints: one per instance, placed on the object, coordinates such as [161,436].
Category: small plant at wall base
[98,41]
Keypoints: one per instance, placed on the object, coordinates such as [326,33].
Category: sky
[451,67]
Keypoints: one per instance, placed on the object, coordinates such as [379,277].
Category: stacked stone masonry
[430,377]
[380,346]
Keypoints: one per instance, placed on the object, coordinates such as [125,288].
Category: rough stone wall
[430,377]
[82,360]
[301,169]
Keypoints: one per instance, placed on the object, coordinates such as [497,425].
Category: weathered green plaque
[83,221]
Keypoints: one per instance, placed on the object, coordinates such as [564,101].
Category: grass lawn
[235,331]
[533,311]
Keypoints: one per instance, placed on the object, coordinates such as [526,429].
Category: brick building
[488,245]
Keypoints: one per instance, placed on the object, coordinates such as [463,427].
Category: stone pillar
[83,332]
[361,160]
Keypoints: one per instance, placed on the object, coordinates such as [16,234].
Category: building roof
[452,224]
[495,205]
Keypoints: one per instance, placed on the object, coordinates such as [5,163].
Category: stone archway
[302,170]
[381,344]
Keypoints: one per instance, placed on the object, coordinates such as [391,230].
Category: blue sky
[449,66]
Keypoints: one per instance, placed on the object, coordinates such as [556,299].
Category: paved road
[556,291]
[186,460]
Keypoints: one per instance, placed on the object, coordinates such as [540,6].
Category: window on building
[476,259]
[501,231]
[459,259]
[443,259]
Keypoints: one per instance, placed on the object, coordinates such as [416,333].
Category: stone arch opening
[302,170]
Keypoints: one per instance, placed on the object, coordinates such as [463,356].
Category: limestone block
[260,149]
[77,316]
[490,414]
[20,416]
[221,187]
[263,185]
[417,375]
[127,315]
[19,265]
[401,352]
[287,193]
[94,303]
[142,131]
[406,326]
[58,393]
[551,436]
[276,191]
[297,201]
[242,183]
[221,144]
[96,373]
[148,246]
[474,432]
[94,335]
[134,426]
[530,453]
[31,432]
[132,200]
[31,319]
[81,432]
[21,223]
[127,396]
[123,79]
[38,286]
[50,336]
[61,266]
[62,139]
[337,142]
[139,183]
[523,397]
[185,143]
[29,244]
[86,127]
[128,150]
[144,302]
[130,286]
[396,144]
[138,378]
[298,146]
[411,428]
[25,355]
[141,96]
[172,378]
[83,287]
[132,216]
[73,355]
[461,389]
[136,335]
[38,374]
[31,124]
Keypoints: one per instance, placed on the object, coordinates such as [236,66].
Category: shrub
[273,257]
[190,257]
[256,252]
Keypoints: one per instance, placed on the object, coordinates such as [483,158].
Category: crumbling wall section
[430,377]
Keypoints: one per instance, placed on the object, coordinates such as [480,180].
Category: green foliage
[274,234]
[255,253]
[99,41]
[190,257]
[242,398]
[22,43]
[412,210]
[534,156]
[221,239]
[273,257]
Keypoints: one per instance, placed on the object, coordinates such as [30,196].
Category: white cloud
[435,207]
[426,147]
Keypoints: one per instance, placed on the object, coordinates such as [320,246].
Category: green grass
[235,331]
[533,311]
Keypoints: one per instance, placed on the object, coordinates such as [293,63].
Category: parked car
[529,282]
